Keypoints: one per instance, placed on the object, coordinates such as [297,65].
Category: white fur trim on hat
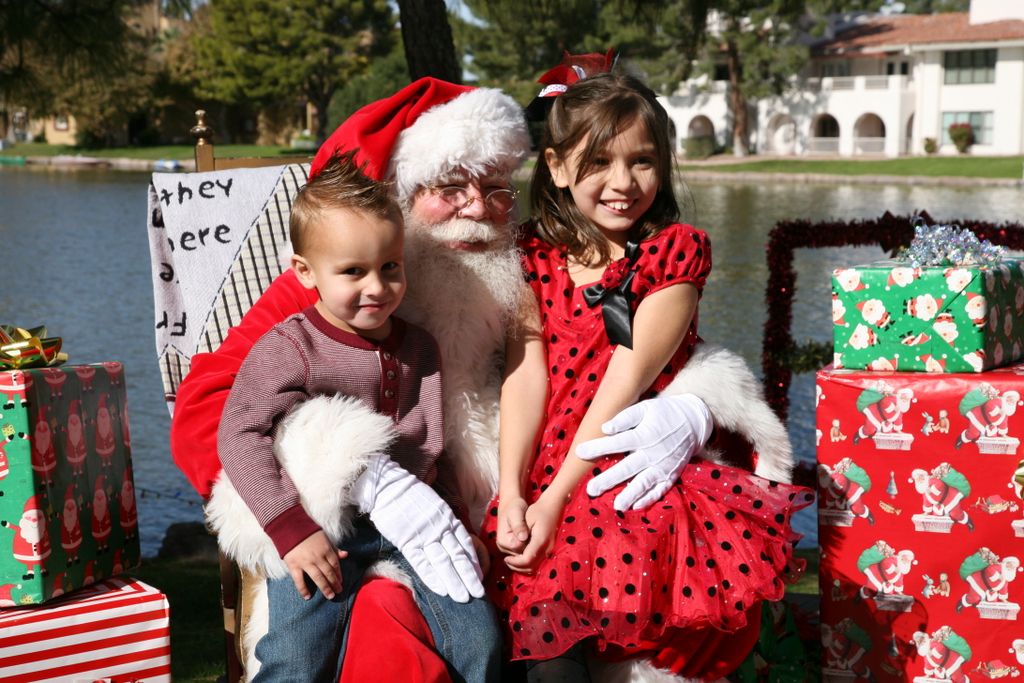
[479,131]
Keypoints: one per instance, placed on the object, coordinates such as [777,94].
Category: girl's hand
[542,518]
[513,533]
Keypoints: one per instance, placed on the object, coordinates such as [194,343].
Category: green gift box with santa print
[67,510]
[890,315]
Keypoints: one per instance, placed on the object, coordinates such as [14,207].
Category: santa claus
[70,527]
[128,516]
[465,284]
[104,432]
[100,515]
[31,543]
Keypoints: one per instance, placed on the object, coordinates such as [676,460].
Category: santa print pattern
[703,557]
[67,501]
[920,525]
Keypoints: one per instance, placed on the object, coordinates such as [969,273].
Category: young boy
[346,233]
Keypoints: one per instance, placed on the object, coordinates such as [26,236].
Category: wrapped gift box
[116,630]
[890,316]
[921,524]
[67,513]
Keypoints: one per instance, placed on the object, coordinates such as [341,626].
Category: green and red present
[67,511]
[892,315]
[920,524]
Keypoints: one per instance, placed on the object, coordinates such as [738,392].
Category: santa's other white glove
[660,436]
[422,526]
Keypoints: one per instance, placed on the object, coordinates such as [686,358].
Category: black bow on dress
[615,308]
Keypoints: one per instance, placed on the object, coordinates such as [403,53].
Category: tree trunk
[737,101]
[427,37]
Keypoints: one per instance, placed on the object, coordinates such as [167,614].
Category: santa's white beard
[31,530]
[466,300]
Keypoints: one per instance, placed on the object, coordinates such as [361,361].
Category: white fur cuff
[324,445]
[735,398]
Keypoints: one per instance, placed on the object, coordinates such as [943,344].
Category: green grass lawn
[963,166]
[197,642]
[179,152]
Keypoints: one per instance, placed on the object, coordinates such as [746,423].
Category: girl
[617,281]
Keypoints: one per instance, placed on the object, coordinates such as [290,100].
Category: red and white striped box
[117,630]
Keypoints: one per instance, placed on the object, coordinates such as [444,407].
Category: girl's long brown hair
[600,107]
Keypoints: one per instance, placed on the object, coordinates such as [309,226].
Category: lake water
[76,258]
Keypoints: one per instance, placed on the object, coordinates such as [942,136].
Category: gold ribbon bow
[31,348]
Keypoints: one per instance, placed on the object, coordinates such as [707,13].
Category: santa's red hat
[428,129]
[31,504]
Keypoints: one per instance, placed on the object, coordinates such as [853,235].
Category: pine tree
[281,51]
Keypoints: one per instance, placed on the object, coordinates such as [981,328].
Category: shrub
[699,147]
[962,136]
[931,146]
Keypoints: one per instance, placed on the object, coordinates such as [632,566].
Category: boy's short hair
[340,184]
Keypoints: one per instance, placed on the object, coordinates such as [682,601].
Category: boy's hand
[317,558]
[542,518]
[512,534]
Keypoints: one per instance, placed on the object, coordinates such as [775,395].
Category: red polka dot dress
[640,583]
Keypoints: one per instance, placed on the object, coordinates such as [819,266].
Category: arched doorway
[781,135]
[824,135]
[700,138]
[869,135]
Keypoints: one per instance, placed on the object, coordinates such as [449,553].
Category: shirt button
[388,393]
[390,374]
[387,356]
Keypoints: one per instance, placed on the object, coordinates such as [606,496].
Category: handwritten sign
[202,227]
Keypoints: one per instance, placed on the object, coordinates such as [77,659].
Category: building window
[60,122]
[970,66]
[836,69]
[981,125]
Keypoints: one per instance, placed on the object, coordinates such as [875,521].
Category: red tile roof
[917,29]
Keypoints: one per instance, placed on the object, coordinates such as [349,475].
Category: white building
[883,85]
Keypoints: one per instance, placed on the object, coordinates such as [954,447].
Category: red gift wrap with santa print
[67,509]
[921,525]
[116,630]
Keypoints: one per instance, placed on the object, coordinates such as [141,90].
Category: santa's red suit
[129,516]
[104,433]
[988,419]
[75,449]
[944,663]
[31,543]
[466,303]
[939,498]
[882,416]
[71,527]
[843,493]
[884,577]
[100,515]
[844,653]
[988,584]
[44,456]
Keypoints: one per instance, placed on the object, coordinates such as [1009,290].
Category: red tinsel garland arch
[889,232]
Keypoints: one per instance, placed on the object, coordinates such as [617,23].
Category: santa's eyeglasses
[499,201]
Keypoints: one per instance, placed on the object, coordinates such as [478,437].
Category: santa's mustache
[461,230]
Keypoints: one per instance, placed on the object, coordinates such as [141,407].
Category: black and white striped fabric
[217,240]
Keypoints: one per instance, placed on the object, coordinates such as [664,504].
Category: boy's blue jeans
[305,638]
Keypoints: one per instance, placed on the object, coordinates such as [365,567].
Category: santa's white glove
[422,526]
[660,436]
